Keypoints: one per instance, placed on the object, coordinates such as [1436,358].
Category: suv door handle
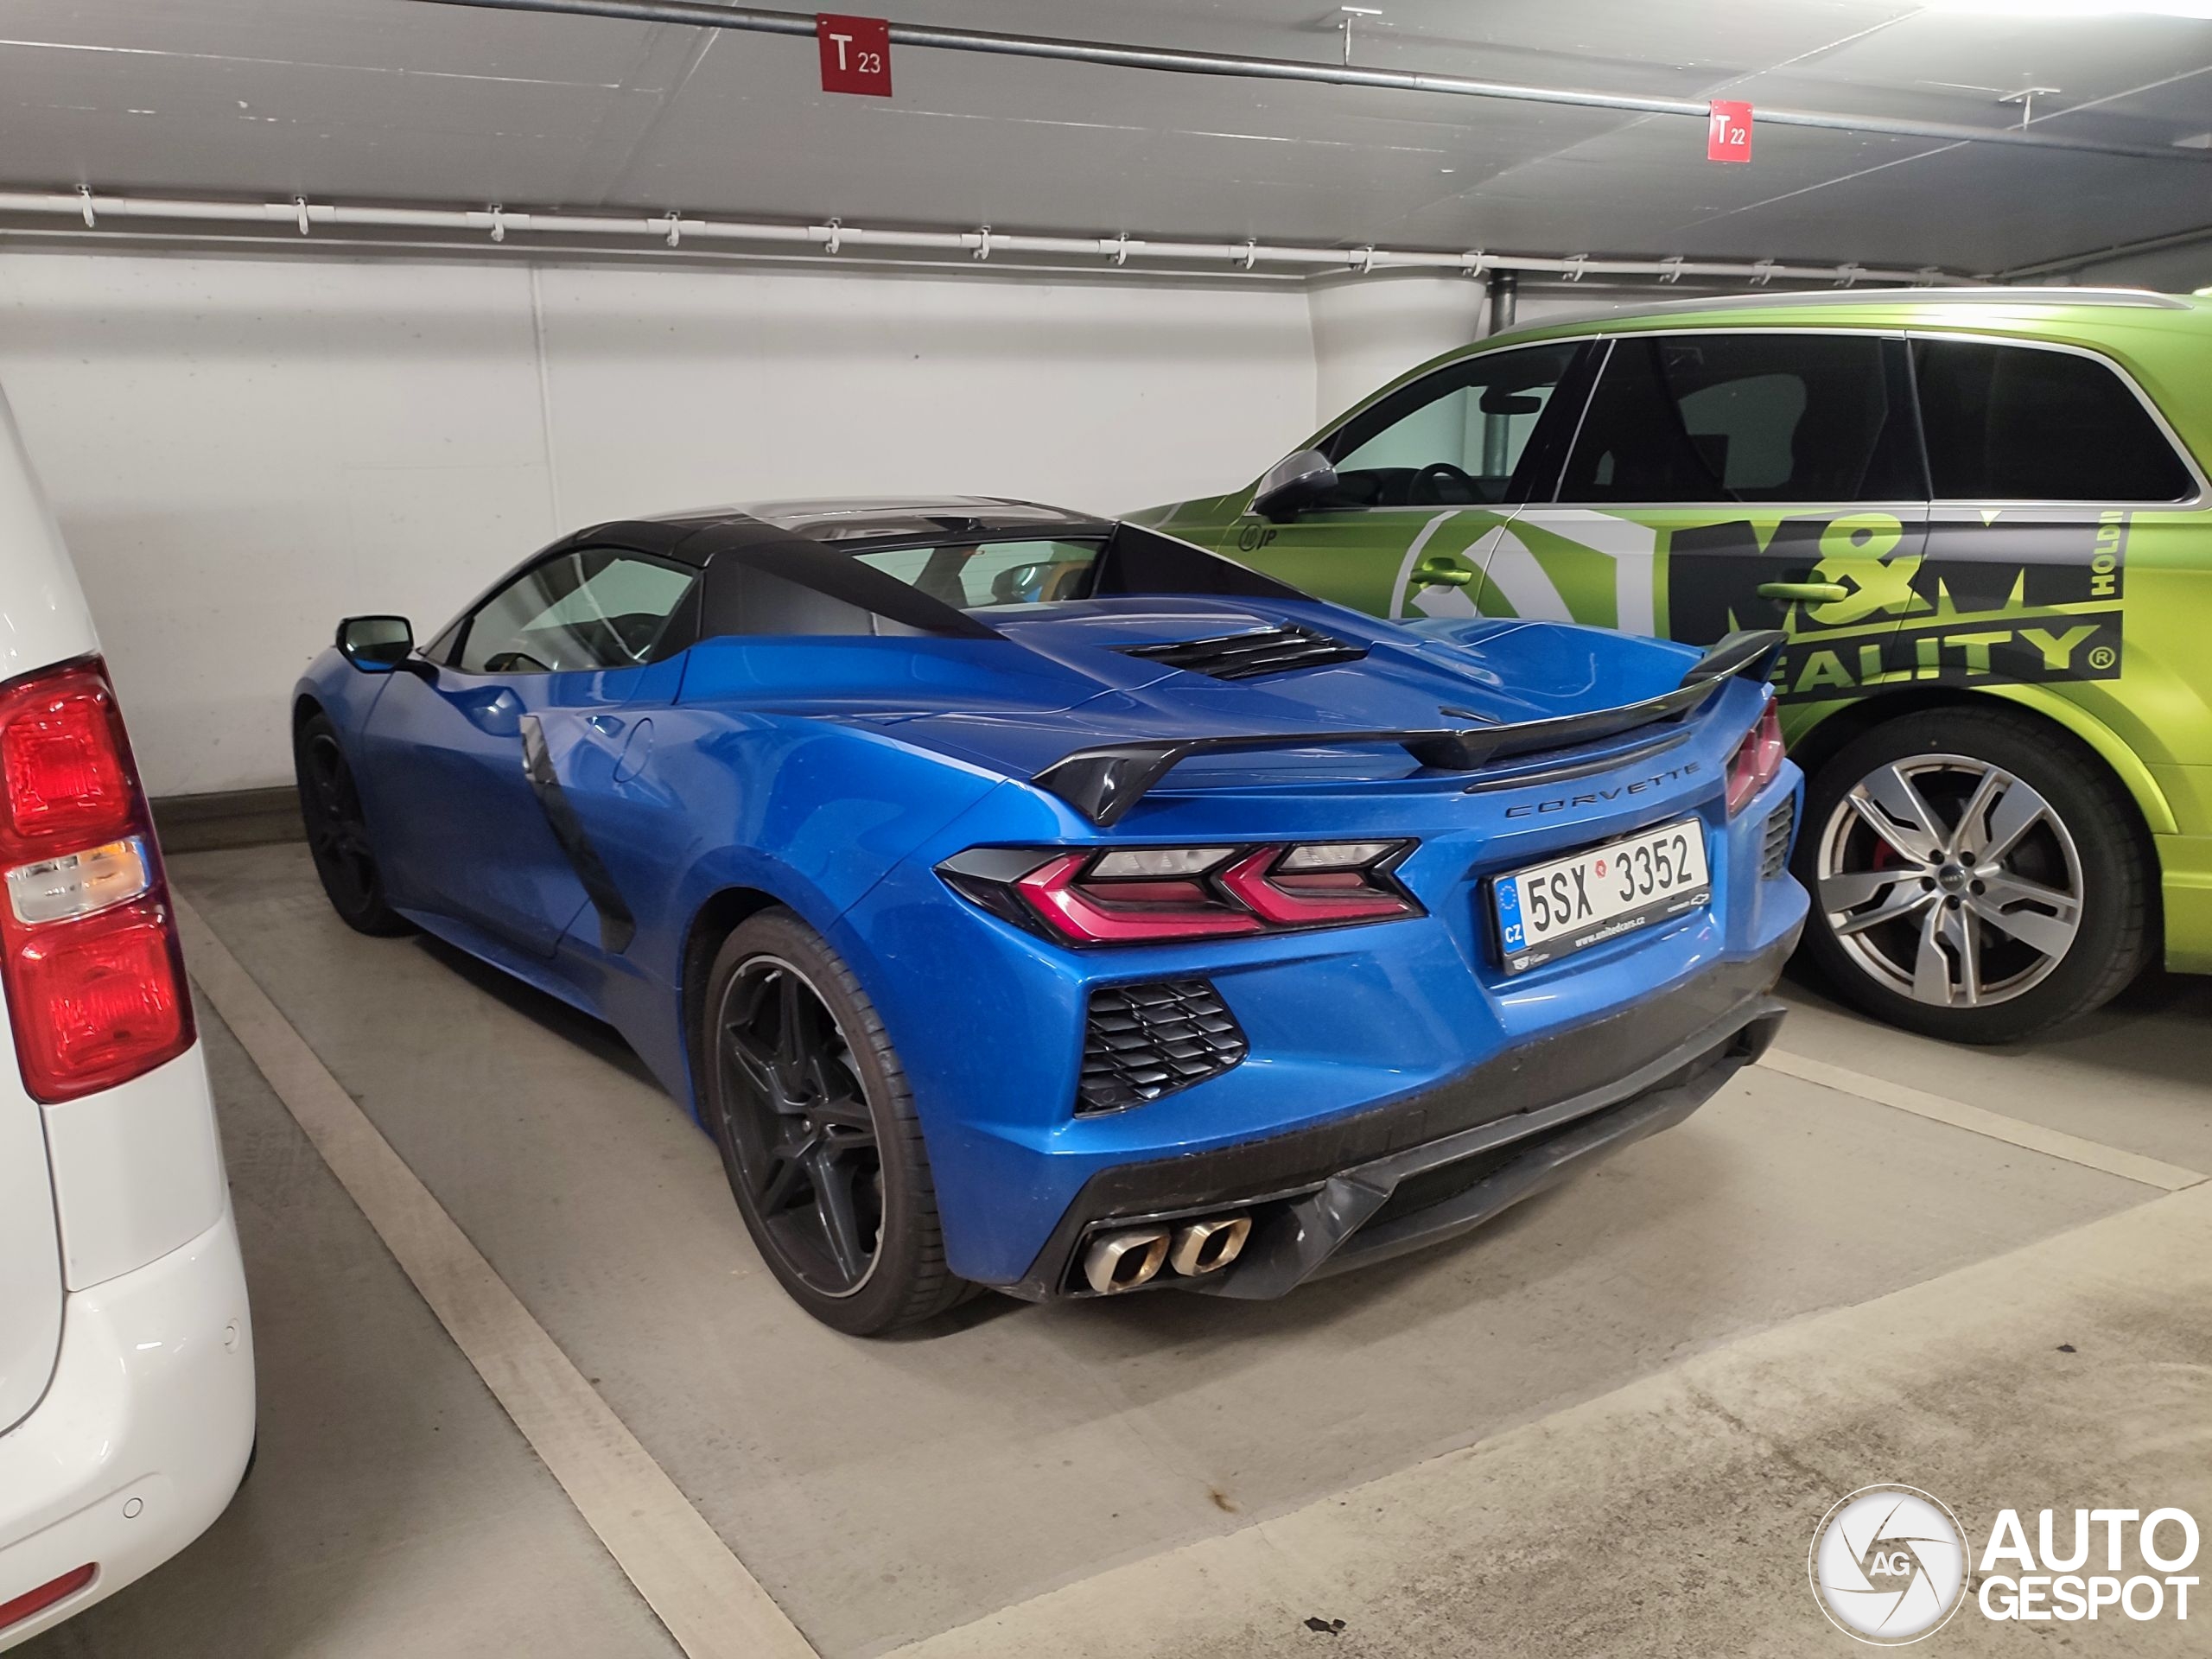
[1441,572]
[1812,593]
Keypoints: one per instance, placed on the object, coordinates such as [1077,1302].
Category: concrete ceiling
[392,100]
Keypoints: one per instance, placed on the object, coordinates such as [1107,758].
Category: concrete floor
[1709,1327]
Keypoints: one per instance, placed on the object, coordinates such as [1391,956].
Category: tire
[829,1112]
[2038,870]
[338,831]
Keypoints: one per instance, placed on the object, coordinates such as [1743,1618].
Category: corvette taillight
[88,944]
[1757,758]
[1157,895]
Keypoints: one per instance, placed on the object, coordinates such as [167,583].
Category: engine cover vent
[1241,656]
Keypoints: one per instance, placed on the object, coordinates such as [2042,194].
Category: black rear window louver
[1241,656]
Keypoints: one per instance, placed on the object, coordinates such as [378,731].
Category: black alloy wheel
[805,1096]
[797,1118]
[338,831]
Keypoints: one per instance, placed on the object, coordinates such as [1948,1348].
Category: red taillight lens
[1156,895]
[62,754]
[88,946]
[1757,758]
[18,1609]
[106,993]
[1127,912]
[1292,898]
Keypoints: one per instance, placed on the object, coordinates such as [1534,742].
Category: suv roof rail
[2140,298]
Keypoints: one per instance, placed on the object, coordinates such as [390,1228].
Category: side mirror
[1297,481]
[375,645]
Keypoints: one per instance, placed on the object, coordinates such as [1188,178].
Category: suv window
[969,576]
[2025,423]
[1746,417]
[597,609]
[1453,438]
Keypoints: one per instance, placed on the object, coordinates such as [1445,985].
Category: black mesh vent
[1779,822]
[1143,1041]
[1241,656]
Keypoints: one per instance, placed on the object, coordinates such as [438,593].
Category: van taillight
[93,971]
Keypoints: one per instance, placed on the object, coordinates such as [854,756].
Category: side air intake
[1243,655]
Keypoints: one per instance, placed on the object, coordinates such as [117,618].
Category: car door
[1729,480]
[458,757]
[1426,476]
[2040,458]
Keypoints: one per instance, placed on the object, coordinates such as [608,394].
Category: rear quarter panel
[810,814]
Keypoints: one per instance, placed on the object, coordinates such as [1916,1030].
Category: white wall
[2185,270]
[1369,330]
[241,450]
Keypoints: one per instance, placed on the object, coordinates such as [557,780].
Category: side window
[597,609]
[2021,423]
[1746,417]
[1454,438]
[968,576]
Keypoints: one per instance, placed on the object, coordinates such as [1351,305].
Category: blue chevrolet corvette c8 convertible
[1028,900]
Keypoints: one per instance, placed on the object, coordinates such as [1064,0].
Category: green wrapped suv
[1981,516]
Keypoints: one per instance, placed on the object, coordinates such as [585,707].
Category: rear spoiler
[1105,782]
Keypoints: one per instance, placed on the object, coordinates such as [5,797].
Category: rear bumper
[1431,1166]
[144,1433]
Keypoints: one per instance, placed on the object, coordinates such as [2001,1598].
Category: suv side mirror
[375,645]
[1297,481]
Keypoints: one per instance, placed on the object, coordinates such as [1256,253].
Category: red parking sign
[855,54]
[1728,132]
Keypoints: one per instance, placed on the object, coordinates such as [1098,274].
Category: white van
[126,1361]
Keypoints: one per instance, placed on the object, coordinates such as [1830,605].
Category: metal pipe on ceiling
[1504,292]
[2108,255]
[292,221]
[702,15]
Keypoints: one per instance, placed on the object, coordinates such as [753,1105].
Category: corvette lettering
[1599,797]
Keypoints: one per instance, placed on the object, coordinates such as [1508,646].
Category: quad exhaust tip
[1209,1246]
[1122,1261]
[1117,1261]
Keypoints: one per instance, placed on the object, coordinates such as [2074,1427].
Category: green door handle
[1813,593]
[1442,573]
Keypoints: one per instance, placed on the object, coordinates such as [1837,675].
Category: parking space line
[710,1604]
[2055,1143]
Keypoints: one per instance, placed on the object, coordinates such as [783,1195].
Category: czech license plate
[1548,911]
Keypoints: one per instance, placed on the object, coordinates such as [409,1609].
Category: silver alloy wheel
[1949,881]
